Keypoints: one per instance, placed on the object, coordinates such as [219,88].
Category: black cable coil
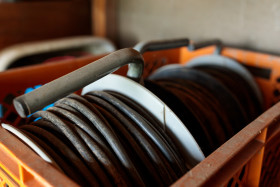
[214,103]
[105,139]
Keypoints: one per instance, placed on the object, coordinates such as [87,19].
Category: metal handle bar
[217,43]
[13,53]
[69,83]
[142,47]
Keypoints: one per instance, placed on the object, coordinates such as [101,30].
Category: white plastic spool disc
[29,142]
[172,124]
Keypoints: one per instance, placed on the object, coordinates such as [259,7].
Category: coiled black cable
[110,140]
[238,86]
[215,102]
[106,139]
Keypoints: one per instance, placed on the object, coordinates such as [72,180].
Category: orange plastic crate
[248,158]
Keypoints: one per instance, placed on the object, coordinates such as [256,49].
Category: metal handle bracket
[69,83]
[217,43]
[143,47]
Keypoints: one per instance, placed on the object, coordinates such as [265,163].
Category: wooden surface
[104,20]
[99,17]
[31,21]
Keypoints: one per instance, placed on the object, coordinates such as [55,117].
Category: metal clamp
[69,83]
[194,46]
[95,45]
[143,47]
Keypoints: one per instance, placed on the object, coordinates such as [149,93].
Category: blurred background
[252,24]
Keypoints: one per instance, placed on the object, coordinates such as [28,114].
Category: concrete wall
[253,24]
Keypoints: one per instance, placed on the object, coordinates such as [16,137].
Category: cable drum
[104,138]
[216,102]
[107,137]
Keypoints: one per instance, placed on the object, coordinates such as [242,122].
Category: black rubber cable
[80,122]
[150,155]
[59,146]
[238,86]
[104,157]
[77,142]
[202,110]
[146,127]
[135,106]
[167,167]
[133,149]
[154,124]
[61,162]
[148,116]
[229,102]
[182,111]
[104,128]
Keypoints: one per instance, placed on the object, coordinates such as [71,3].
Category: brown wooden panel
[99,17]
[104,18]
[111,20]
[30,21]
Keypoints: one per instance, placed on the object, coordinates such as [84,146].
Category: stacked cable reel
[120,133]
[214,96]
